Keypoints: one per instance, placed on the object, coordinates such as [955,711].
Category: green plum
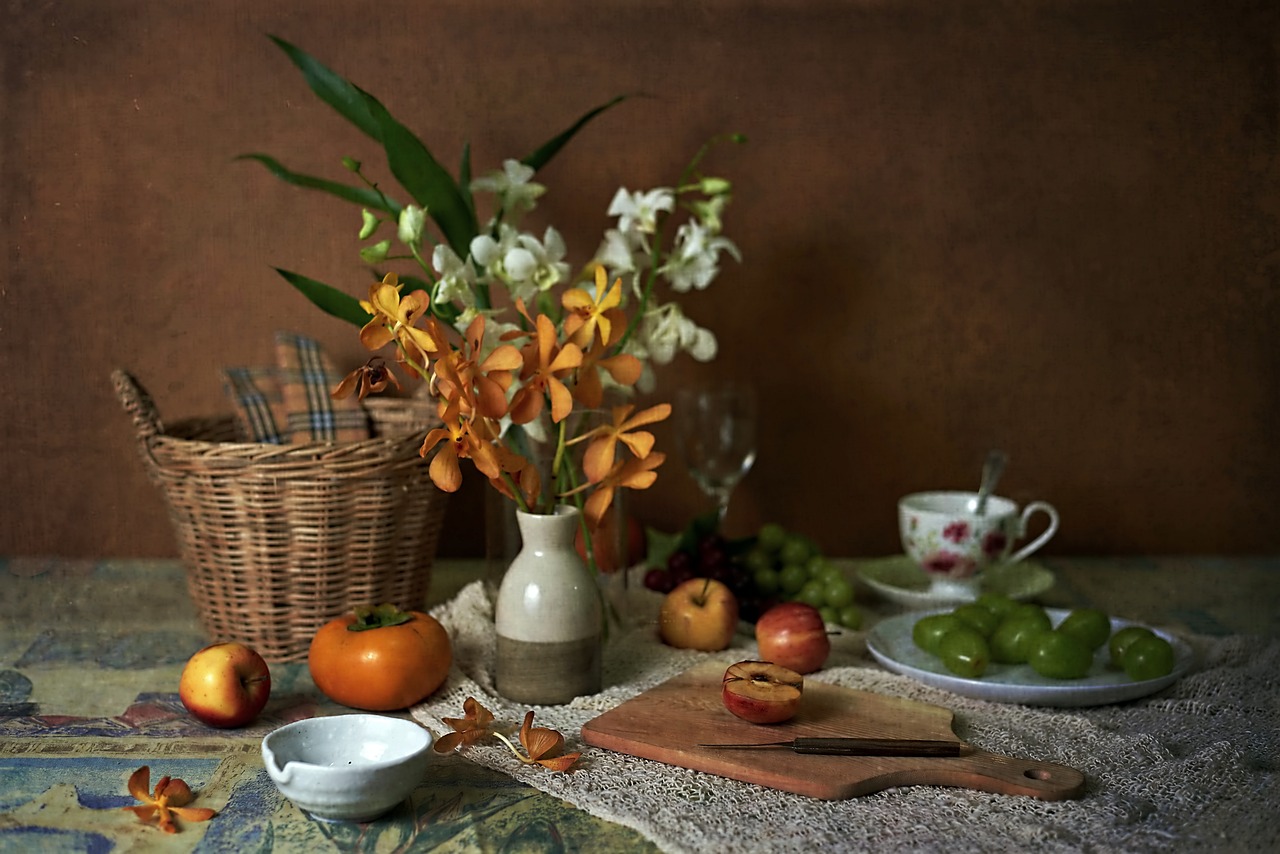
[928,631]
[1148,658]
[1060,656]
[1014,637]
[1088,625]
[978,617]
[997,603]
[965,652]
[1120,642]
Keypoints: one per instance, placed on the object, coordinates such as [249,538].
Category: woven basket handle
[138,403]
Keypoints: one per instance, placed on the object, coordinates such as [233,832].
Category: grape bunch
[709,555]
[789,567]
[775,566]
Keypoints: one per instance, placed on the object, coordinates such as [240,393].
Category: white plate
[891,644]
[899,579]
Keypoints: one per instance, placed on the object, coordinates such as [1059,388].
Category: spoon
[991,471]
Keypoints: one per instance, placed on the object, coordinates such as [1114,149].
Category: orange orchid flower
[170,799]
[545,746]
[463,437]
[542,746]
[482,387]
[518,472]
[371,377]
[633,473]
[624,368]
[589,314]
[598,460]
[473,726]
[544,370]
[395,318]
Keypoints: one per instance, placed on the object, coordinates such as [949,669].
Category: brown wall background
[1046,226]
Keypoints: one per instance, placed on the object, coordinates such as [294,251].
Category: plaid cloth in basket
[290,403]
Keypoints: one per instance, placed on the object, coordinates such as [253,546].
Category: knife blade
[857,746]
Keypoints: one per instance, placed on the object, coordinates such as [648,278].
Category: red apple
[605,542]
[225,685]
[762,692]
[701,613]
[792,634]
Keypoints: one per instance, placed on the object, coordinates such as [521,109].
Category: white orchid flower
[639,211]
[457,280]
[532,266]
[516,193]
[666,331]
[694,262]
[617,253]
[623,259]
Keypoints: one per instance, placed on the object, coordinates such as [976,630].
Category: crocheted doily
[1192,767]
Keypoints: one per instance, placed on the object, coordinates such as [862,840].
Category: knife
[858,746]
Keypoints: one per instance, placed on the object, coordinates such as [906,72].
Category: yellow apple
[225,685]
[701,613]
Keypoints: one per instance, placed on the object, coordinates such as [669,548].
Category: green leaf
[333,89]
[426,180]
[341,305]
[378,617]
[365,196]
[659,546]
[539,158]
[464,179]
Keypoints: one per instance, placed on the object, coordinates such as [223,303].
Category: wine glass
[716,430]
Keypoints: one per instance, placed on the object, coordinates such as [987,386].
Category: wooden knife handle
[876,746]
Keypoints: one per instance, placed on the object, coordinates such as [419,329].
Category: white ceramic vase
[548,615]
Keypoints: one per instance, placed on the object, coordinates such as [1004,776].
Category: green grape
[796,550]
[828,571]
[830,615]
[1088,625]
[928,631]
[1120,642]
[818,566]
[850,617]
[766,580]
[792,578]
[1148,658]
[1060,656]
[1013,638]
[839,591]
[757,559]
[965,652]
[771,536]
[978,617]
[814,593]
[997,603]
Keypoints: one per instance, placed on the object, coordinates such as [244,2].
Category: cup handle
[1038,542]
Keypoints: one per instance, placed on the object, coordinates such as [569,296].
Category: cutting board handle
[1006,775]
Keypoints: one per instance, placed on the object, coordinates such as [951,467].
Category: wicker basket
[279,539]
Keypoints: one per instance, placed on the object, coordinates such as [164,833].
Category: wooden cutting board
[668,722]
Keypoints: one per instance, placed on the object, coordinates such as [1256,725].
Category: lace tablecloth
[1192,767]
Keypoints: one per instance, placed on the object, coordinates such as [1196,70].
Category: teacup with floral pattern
[943,533]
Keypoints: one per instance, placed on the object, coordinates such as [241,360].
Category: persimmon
[380,659]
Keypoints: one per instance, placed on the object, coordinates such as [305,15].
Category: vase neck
[549,530]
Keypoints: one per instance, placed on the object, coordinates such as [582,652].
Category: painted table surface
[90,653]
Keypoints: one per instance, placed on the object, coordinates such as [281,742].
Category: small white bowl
[347,767]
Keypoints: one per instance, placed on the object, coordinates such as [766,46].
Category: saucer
[899,579]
